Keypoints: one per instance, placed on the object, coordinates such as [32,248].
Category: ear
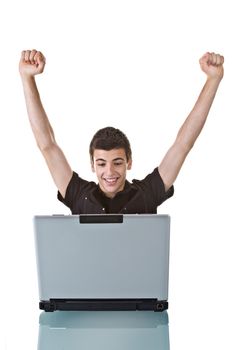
[129,165]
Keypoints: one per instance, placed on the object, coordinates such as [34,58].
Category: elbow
[44,138]
[184,145]
[187,147]
[44,147]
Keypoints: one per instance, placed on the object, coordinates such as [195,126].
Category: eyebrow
[104,160]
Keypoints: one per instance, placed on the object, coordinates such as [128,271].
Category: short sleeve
[73,191]
[154,188]
[162,195]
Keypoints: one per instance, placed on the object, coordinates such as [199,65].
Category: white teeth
[111,180]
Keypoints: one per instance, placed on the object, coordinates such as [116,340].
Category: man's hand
[212,65]
[31,63]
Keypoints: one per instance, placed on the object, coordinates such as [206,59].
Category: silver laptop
[103,262]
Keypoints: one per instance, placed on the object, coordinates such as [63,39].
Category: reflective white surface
[103,330]
[133,65]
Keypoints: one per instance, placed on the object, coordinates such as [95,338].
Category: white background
[132,65]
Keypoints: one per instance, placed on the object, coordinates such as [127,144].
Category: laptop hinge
[103,305]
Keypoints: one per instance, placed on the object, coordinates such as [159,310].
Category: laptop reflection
[85,330]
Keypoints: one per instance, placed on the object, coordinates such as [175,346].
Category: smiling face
[110,168]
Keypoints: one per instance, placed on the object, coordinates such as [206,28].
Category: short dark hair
[110,138]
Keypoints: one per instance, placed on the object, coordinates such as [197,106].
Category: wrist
[27,77]
[214,79]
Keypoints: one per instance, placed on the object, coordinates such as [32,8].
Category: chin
[110,192]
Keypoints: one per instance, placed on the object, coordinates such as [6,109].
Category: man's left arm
[212,65]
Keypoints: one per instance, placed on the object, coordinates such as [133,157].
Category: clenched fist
[212,65]
[31,63]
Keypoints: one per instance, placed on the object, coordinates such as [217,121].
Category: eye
[101,164]
[118,163]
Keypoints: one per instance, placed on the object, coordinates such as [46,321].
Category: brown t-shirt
[138,197]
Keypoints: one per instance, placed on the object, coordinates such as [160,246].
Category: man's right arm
[31,64]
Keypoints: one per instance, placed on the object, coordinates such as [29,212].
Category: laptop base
[103,305]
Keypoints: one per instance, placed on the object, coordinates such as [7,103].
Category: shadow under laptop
[103,330]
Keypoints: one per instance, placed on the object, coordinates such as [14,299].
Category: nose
[109,169]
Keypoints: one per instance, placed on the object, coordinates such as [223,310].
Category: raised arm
[212,65]
[31,64]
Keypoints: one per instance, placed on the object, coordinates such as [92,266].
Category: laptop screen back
[107,256]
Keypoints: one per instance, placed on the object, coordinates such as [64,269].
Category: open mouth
[111,181]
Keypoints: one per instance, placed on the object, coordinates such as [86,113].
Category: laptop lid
[99,257]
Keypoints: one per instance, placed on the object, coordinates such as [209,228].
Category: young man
[110,151]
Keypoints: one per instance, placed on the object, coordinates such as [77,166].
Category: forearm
[195,121]
[38,119]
